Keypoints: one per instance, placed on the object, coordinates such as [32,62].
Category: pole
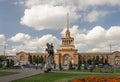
[110,48]
[110,53]
[4,50]
[113,59]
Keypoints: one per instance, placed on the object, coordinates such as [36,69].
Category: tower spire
[67,21]
[67,24]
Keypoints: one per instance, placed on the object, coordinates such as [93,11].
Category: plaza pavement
[25,72]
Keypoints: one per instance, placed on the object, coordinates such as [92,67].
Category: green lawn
[96,70]
[7,73]
[83,70]
[57,77]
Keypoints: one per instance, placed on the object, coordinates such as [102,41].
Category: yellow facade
[67,53]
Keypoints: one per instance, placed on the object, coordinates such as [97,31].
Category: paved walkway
[26,72]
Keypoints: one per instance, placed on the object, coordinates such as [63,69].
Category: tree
[30,59]
[44,59]
[93,59]
[85,66]
[84,62]
[93,62]
[8,63]
[97,60]
[41,59]
[0,63]
[2,57]
[35,59]
[89,61]
[101,61]
[79,64]
[70,65]
[106,61]
[60,66]
[11,63]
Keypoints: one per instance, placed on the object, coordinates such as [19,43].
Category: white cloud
[2,43]
[20,37]
[2,36]
[47,17]
[96,39]
[32,44]
[81,3]
[45,14]
[2,39]
[30,3]
[114,33]
[74,30]
[41,42]
[97,34]
[94,15]
[93,3]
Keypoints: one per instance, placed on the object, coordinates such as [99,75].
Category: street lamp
[5,47]
[112,59]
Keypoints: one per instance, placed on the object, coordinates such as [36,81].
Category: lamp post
[110,53]
[4,50]
[4,47]
[112,58]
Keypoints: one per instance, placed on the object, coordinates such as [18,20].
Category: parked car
[100,65]
[106,69]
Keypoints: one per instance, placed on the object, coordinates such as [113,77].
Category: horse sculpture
[50,49]
[50,59]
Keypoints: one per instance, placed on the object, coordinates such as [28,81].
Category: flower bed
[98,79]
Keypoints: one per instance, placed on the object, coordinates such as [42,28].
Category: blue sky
[27,25]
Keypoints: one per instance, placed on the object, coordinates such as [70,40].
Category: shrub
[98,79]
[79,80]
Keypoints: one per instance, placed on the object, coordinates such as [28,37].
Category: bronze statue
[50,49]
[49,65]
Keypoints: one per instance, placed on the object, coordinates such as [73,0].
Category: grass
[58,77]
[116,70]
[7,73]
[96,70]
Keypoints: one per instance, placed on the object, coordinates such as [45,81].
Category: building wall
[24,56]
[68,52]
[74,56]
[115,58]
[61,55]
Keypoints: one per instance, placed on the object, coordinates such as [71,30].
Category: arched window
[22,58]
[117,60]
[30,59]
[66,59]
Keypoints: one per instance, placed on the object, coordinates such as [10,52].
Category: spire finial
[67,21]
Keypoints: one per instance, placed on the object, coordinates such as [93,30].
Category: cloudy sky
[27,25]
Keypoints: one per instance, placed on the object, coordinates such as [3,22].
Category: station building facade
[68,53]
